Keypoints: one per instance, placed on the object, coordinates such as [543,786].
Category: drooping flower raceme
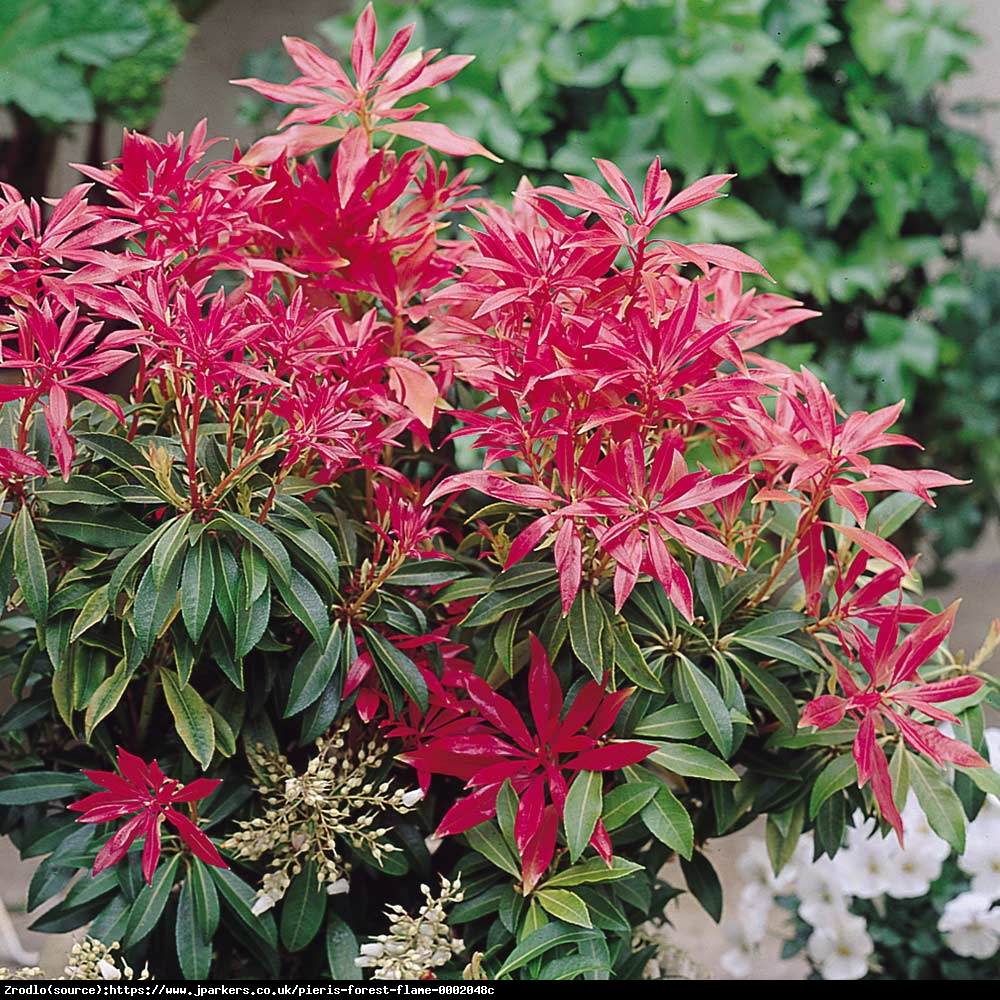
[144,789]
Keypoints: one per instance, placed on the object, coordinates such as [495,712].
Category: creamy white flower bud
[412,797]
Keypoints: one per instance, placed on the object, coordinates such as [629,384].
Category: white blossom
[969,926]
[841,948]
[981,858]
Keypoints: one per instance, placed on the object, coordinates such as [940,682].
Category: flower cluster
[88,959]
[309,815]
[415,946]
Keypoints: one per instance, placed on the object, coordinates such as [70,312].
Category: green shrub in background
[852,183]
[68,62]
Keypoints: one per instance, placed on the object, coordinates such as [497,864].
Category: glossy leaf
[586,626]
[194,952]
[703,883]
[197,587]
[584,805]
[712,711]
[29,565]
[667,820]
[593,870]
[692,762]
[313,672]
[397,664]
[564,905]
[191,717]
[150,902]
[939,802]
[302,910]
[838,774]
[341,950]
[540,941]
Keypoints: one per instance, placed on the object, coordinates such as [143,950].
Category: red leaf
[823,712]
[540,849]
[611,757]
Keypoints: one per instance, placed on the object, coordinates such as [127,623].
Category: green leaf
[623,802]
[564,905]
[154,605]
[571,967]
[197,586]
[984,778]
[493,605]
[890,514]
[692,762]
[238,898]
[675,722]
[28,787]
[783,832]
[704,884]
[251,623]
[838,774]
[776,697]
[667,820]
[191,717]
[939,802]
[313,672]
[106,698]
[538,942]
[79,490]
[111,923]
[387,657]
[427,572]
[130,561]
[773,623]
[304,602]
[507,805]
[311,544]
[126,456]
[149,904]
[593,870]
[777,648]
[341,950]
[168,549]
[206,899]
[586,623]
[96,527]
[487,840]
[708,703]
[29,566]
[584,804]
[93,612]
[843,732]
[262,539]
[706,582]
[227,574]
[629,657]
[302,910]
[194,952]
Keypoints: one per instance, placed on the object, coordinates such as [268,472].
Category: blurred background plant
[878,910]
[854,181]
[65,63]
